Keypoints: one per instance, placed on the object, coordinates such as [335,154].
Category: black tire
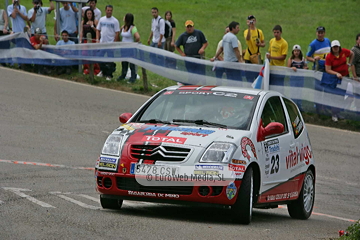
[302,207]
[242,209]
[110,203]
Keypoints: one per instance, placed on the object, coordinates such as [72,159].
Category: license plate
[145,169]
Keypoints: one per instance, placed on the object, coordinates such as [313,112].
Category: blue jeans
[155,44]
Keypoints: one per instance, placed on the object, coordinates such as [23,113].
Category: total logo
[165,139]
[300,155]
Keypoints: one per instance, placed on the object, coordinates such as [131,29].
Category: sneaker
[108,78]
[99,74]
[334,118]
[132,80]
[122,77]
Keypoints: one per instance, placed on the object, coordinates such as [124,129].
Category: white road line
[331,216]
[327,215]
[18,191]
[81,204]
[90,198]
[45,164]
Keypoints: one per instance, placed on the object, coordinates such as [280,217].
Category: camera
[251,22]
[16,2]
[257,41]
[37,6]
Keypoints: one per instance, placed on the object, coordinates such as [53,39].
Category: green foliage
[353,232]
[299,20]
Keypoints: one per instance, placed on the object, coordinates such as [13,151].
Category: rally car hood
[199,136]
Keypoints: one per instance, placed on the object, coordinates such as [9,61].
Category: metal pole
[80,5]
[58,17]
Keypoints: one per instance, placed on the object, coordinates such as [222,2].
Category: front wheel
[303,206]
[110,203]
[242,209]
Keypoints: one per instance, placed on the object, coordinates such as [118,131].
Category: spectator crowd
[325,55]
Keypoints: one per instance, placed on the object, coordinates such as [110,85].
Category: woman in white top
[3,22]
[128,33]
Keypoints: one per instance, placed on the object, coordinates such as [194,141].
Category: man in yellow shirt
[278,48]
[254,38]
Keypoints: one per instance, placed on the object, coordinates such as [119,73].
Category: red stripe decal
[208,88]
[192,87]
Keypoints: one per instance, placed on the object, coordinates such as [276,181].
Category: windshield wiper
[154,121]
[201,122]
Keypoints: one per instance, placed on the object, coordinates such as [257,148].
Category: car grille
[159,153]
[132,185]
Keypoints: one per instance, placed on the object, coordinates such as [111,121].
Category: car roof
[251,91]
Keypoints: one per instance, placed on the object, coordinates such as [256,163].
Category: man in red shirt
[37,42]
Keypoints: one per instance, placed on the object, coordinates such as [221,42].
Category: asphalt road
[51,133]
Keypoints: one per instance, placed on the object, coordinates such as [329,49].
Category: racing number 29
[274,164]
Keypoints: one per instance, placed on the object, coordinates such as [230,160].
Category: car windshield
[208,108]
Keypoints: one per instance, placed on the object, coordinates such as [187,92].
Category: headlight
[218,152]
[112,145]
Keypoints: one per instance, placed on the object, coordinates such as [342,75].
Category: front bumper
[125,186]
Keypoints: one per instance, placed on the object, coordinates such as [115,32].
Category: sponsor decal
[164,139]
[190,130]
[105,173]
[150,194]
[282,196]
[128,127]
[297,125]
[206,172]
[194,134]
[231,191]
[124,170]
[224,94]
[168,92]
[302,155]
[209,167]
[107,165]
[272,146]
[239,161]
[236,168]
[245,143]
[97,163]
[248,97]
[108,160]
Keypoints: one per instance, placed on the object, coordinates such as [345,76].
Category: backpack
[168,28]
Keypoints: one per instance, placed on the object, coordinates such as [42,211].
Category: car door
[275,148]
[299,158]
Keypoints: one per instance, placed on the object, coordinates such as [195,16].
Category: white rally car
[236,147]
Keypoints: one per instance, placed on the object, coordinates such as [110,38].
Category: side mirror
[270,129]
[123,118]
